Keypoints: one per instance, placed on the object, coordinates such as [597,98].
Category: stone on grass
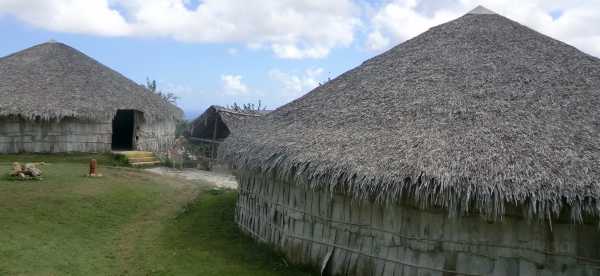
[24,172]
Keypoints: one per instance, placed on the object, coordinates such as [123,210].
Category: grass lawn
[126,223]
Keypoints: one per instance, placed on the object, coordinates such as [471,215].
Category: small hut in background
[54,98]
[471,149]
[217,123]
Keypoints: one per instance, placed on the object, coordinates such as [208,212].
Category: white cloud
[233,85]
[398,20]
[90,16]
[377,41]
[290,28]
[297,29]
[296,85]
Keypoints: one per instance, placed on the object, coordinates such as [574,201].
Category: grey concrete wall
[68,135]
[362,238]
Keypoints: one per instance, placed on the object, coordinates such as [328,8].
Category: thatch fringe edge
[88,116]
[459,197]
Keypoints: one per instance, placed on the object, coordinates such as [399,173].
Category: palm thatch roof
[52,81]
[476,115]
[226,120]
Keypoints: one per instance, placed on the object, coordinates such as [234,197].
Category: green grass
[81,158]
[125,223]
[204,240]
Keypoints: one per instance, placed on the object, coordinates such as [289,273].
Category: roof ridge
[481,10]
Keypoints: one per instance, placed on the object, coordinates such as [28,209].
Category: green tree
[248,108]
[167,96]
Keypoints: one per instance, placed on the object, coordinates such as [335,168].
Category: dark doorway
[122,127]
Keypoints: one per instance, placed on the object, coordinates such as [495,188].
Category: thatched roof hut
[433,157]
[52,83]
[217,122]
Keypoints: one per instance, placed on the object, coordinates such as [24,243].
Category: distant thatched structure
[471,149]
[56,99]
[216,124]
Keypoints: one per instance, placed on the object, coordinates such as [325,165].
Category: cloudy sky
[224,51]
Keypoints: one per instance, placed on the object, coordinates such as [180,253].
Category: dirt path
[220,180]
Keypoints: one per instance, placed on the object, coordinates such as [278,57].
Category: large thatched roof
[53,80]
[227,120]
[475,115]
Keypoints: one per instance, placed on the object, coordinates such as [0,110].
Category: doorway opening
[123,126]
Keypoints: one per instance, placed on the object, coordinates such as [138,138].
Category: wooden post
[93,167]
[212,145]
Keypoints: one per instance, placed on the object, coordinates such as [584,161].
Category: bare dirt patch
[220,180]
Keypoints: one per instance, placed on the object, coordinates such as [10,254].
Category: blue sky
[191,70]
[220,51]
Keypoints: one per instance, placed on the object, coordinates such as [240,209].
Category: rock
[34,172]
[16,169]
[27,171]
[31,170]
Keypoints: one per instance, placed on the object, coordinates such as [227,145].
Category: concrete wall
[362,238]
[71,135]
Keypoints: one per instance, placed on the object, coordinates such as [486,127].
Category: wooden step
[142,159]
[133,154]
[139,158]
[144,164]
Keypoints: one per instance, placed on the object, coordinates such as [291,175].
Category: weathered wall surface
[71,135]
[361,238]
[156,137]
[68,135]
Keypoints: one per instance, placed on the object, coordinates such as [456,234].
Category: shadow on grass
[205,236]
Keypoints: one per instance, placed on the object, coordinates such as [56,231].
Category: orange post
[93,167]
